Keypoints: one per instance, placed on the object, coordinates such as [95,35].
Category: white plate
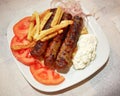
[102,56]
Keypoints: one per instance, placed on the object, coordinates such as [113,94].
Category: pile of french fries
[36,31]
[37,23]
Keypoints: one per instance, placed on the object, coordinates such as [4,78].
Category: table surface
[106,82]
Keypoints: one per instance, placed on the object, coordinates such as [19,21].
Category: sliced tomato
[20,29]
[22,55]
[45,75]
[16,41]
[36,66]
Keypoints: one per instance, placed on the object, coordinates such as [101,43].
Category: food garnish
[70,6]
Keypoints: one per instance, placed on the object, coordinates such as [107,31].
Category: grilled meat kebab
[55,44]
[64,57]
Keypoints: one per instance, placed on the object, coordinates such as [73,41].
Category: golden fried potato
[55,28]
[18,47]
[57,17]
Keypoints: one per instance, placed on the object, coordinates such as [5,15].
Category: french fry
[55,28]
[56,20]
[18,47]
[45,19]
[84,31]
[32,18]
[57,17]
[60,31]
[29,36]
[51,35]
[33,32]
[37,24]
[44,13]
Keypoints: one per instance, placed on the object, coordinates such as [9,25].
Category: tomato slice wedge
[22,55]
[36,66]
[46,75]
[20,29]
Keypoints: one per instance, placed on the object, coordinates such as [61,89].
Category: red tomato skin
[22,55]
[36,66]
[46,75]
[20,29]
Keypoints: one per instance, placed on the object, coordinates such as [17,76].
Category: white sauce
[86,51]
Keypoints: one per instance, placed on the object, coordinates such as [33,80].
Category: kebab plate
[51,42]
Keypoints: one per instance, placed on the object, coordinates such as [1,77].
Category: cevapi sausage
[64,57]
[54,46]
[40,47]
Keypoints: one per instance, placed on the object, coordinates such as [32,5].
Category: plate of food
[60,42]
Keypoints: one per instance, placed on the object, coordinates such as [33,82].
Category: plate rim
[59,87]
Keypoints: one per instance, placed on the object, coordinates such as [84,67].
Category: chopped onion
[70,6]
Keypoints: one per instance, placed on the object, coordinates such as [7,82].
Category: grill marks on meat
[52,50]
[40,47]
[64,57]
[54,46]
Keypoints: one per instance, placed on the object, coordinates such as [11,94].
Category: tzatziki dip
[86,51]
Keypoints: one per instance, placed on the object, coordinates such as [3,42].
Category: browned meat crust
[64,57]
[54,46]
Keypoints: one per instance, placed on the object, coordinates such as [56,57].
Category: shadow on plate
[76,85]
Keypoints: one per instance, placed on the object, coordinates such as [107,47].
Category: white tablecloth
[106,82]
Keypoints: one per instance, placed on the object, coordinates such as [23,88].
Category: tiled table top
[106,82]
